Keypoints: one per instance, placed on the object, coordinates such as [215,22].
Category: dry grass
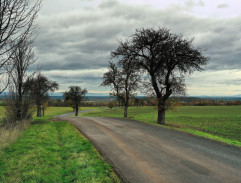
[10,135]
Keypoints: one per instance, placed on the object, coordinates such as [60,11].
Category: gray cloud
[191,3]
[84,39]
[90,78]
[223,6]
[231,82]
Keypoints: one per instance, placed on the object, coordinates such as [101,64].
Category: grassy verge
[8,136]
[222,123]
[53,152]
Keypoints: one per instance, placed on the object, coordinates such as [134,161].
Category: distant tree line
[208,102]
[139,102]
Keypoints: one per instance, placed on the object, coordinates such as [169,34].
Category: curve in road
[145,153]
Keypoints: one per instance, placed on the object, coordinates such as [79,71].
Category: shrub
[16,112]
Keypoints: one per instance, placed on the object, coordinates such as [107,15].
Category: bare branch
[17,19]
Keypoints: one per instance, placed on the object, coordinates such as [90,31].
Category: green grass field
[50,111]
[53,152]
[217,122]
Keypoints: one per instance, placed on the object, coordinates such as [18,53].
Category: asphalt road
[143,153]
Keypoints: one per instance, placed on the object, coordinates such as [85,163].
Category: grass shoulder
[53,152]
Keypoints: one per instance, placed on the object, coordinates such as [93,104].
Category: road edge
[181,131]
[102,154]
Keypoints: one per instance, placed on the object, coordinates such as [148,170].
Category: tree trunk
[77,111]
[19,106]
[19,110]
[161,116]
[125,111]
[43,111]
[38,110]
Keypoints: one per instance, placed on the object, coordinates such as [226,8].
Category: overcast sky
[77,36]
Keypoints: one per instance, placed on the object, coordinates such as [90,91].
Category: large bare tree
[165,58]
[16,23]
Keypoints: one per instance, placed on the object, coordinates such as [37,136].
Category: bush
[16,112]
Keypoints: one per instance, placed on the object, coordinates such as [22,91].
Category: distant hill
[105,96]
[239,96]
[224,98]
[98,94]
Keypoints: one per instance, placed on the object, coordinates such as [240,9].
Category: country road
[143,153]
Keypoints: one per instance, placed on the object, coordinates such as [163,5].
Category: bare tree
[165,58]
[130,81]
[76,96]
[38,87]
[16,23]
[21,58]
[124,81]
